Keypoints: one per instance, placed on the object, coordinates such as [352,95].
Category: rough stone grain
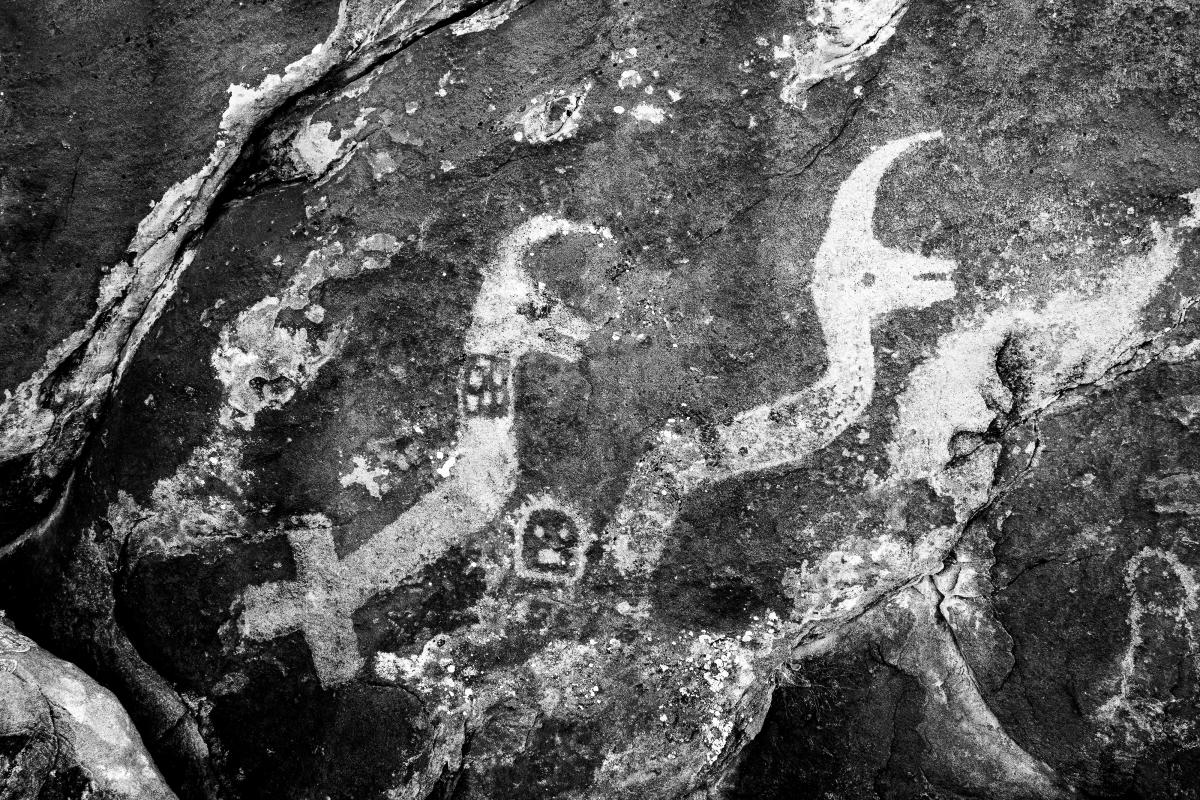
[569,399]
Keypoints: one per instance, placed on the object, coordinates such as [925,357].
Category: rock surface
[65,736]
[562,399]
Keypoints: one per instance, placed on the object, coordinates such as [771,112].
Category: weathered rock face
[64,735]
[606,400]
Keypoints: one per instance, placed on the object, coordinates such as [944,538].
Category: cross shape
[327,591]
[315,604]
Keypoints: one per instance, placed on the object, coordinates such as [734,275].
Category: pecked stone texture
[566,399]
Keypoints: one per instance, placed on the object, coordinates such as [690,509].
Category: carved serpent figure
[510,318]
[856,281]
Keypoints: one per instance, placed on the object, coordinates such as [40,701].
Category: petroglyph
[375,471]
[486,387]
[1074,338]
[1071,339]
[550,540]
[511,316]
[856,281]
[870,486]
[370,478]
[47,419]
[1160,628]
[1066,343]
[846,32]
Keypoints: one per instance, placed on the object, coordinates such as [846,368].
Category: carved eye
[868,279]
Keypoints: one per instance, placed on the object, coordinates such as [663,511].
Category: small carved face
[550,541]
